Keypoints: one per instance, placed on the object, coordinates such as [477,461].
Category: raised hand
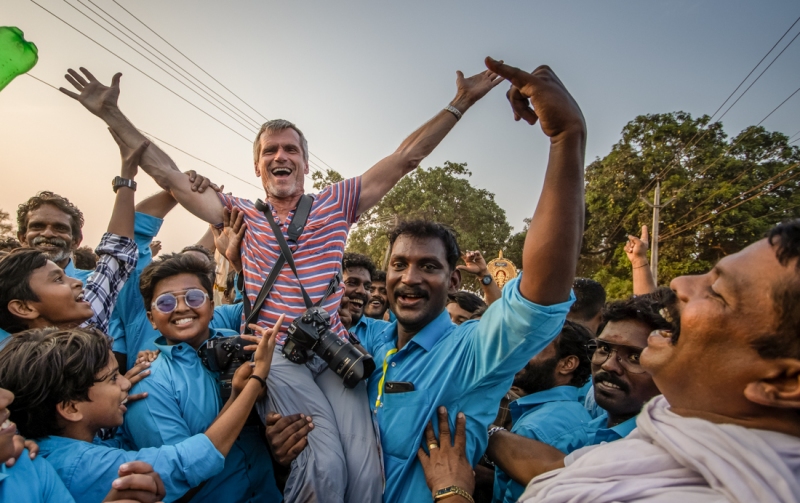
[474,263]
[228,240]
[471,89]
[553,106]
[636,248]
[94,96]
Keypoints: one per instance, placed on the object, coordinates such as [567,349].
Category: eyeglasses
[168,302]
[628,357]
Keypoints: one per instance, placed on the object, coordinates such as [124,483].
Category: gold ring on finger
[433,446]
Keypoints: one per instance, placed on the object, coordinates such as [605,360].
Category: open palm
[93,95]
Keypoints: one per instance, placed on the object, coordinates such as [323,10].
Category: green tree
[441,194]
[322,180]
[6,227]
[727,193]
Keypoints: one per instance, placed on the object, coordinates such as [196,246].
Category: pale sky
[358,76]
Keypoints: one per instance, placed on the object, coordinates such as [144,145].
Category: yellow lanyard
[383,377]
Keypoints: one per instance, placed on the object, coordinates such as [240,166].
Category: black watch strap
[123,182]
[486,279]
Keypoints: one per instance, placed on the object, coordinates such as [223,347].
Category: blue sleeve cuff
[145,225]
[201,459]
[513,294]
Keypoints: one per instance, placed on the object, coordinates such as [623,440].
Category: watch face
[486,279]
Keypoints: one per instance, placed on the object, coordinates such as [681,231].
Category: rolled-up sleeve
[118,259]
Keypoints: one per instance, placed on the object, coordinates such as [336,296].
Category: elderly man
[330,469]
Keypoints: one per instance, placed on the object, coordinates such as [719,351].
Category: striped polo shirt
[318,254]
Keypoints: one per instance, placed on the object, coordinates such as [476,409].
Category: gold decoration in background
[502,270]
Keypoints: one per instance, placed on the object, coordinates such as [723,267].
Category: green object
[17,55]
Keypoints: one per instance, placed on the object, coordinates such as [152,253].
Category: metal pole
[654,245]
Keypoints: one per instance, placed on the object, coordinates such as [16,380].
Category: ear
[568,364]
[21,238]
[150,317]
[455,281]
[305,169]
[258,171]
[779,390]
[69,411]
[22,309]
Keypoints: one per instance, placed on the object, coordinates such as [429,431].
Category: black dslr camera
[310,333]
[224,355]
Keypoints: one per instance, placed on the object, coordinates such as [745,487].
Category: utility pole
[656,205]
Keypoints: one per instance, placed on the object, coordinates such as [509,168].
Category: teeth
[182,321]
[124,402]
[359,303]
[5,424]
[610,385]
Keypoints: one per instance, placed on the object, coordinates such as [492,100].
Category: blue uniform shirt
[183,400]
[599,432]
[368,327]
[88,469]
[554,417]
[466,368]
[32,481]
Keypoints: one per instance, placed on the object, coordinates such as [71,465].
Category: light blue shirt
[590,404]
[599,431]
[466,368]
[368,327]
[32,481]
[88,469]
[183,400]
[553,416]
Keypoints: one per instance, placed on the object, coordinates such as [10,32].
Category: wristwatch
[452,491]
[486,279]
[123,182]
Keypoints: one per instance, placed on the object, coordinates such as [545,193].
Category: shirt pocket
[403,419]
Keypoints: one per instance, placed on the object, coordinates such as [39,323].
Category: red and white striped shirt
[318,254]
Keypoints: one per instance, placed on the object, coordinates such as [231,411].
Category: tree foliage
[727,193]
[444,195]
[6,227]
[322,180]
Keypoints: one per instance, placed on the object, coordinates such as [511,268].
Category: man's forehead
[287,135]
[357,272]
[419,247]
[631,333]
[47,212]
[756,267]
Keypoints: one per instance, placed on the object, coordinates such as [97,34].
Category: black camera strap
[295,229]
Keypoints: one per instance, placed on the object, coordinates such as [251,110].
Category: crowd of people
[306,374]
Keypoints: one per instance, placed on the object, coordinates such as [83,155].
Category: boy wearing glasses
[183,397]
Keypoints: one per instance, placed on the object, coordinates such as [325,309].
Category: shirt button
[394,364]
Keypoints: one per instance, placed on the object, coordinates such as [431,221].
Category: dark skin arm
[554,237]
[523,458]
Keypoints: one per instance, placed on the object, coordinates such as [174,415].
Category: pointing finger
[519,78]
[645,235]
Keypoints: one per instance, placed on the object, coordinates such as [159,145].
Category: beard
[671,314]
[62,251]
[536,378]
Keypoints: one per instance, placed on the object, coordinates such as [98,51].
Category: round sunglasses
[168,302]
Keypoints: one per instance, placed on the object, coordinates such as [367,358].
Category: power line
[667,168]
[209,75]
[167,143]
[782,210]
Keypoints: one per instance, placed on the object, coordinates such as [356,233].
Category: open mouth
[281,172]
[182,321]
[376,303]
[81,297]
[358,303]
[7,424]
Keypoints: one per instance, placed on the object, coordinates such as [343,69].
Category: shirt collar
[167,349]
[69,269]
[558,394]
[621,430]
[432,332]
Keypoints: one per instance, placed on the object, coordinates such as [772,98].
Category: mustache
[611,378]
[402,291]
[41,240]
[359,296]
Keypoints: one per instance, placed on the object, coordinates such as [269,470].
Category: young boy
[68,387]
[183,395]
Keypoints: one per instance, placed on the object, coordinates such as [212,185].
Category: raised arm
[554,236]
[474,263]
[522,458]
[101,100]
[380,178]
[636,250]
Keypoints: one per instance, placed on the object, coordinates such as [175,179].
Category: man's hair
[171,265]
[642,308]
[276,126]
[467,301]
[62,203]
[572,342]
[379,277]
[47,367]
[85,258]
[785,340]
[424,229]
[15,277]
[590,297]
[8,244]
[199,249]
[358,260]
